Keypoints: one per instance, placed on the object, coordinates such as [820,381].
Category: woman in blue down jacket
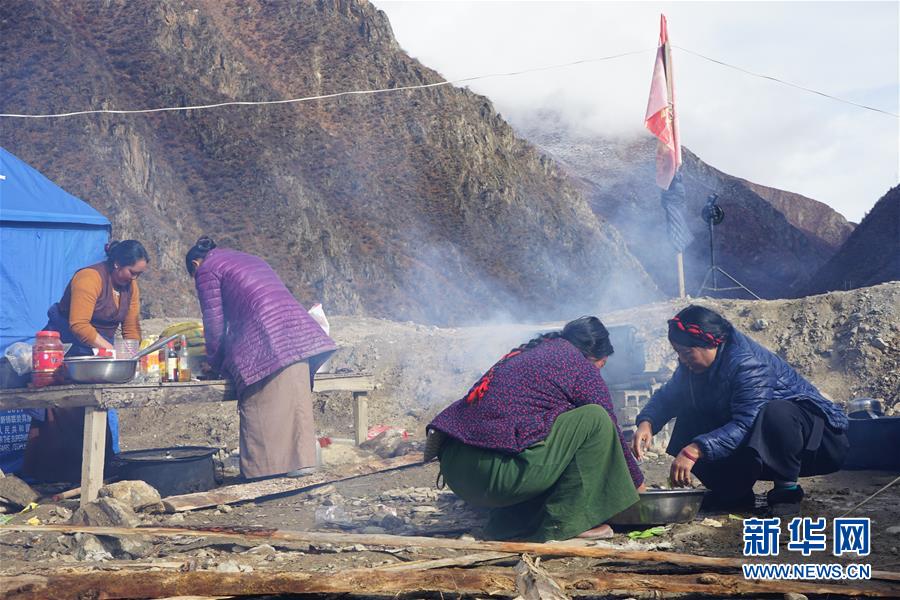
[743,414]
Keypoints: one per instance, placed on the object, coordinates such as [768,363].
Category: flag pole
[667,53]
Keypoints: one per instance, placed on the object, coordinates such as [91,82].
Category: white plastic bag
[318,315]
[19,356]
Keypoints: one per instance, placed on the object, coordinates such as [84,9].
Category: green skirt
[573,481]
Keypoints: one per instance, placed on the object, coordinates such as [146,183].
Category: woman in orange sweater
[99,300]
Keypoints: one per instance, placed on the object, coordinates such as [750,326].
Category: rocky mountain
[822,224]
[871,254]
[771,240]
[420,205]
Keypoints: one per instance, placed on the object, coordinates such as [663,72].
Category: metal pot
[865,408]
[90,369]
[658,507]
[172,471]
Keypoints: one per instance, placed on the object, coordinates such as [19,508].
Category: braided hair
[699,326]
[587,334]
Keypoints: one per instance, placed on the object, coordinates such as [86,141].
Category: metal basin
[658,507]
[100,370]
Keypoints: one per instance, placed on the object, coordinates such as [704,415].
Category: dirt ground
[847,343]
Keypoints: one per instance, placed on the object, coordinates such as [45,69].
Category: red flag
[661,118]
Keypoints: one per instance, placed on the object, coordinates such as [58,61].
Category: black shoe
[717,502]
[784,502]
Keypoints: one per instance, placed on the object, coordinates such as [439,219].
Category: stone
[105,512]
[17,492]
[880,344]
[332,500]
[759,325]
[229,566]
[62,513]
[391,522]
[894,530]
[136,494]
[261,550]
[89,548]
[224,508]
[794,596]
[127,547]
[708,578]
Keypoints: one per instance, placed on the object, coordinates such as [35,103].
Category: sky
[749,127]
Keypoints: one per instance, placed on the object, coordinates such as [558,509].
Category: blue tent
[46,234]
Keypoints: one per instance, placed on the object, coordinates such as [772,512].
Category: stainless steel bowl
[100,370]
[865,408]
[658,507]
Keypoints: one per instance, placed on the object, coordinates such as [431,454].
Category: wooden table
[97,399]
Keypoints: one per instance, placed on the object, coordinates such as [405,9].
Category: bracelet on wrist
[693,457]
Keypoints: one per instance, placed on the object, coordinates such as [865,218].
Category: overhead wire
[787,83]
[113,111]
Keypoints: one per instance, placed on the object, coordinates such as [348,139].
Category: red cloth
[661,118]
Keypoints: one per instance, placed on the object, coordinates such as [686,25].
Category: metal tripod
[713,215]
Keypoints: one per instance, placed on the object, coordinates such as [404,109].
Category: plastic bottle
[184,369]
[46,359]
[150,363]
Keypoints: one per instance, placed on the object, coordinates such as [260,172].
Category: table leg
[94,453]
[360,416]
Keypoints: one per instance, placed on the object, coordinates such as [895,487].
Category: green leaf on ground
[647,533]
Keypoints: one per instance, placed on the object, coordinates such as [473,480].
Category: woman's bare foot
[600,532]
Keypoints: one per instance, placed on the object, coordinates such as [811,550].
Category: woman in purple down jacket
[257,333]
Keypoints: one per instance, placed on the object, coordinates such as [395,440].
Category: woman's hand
[642,488]
[680,473]
[100,342]
[641,440]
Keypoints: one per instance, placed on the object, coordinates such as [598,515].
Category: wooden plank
[93,454]
[533,582]
[49,397]
[360,417]
[270,487]
[136,395]
[339,382]
[247,535]
[466,560]
[168,394]
[129,584]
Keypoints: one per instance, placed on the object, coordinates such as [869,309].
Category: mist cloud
[748,127]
